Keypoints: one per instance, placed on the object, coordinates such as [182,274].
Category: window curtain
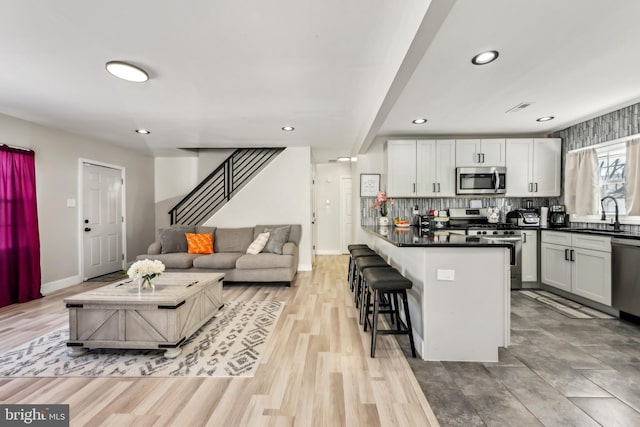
[19,236]
[582,182]
[632,178]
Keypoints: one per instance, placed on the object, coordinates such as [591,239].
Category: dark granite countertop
[414,237]
[624,234]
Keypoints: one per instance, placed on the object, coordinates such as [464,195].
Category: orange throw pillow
[200,243]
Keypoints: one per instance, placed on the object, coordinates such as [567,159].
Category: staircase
[221,185]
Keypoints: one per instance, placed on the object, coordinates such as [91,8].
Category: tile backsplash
[404,207]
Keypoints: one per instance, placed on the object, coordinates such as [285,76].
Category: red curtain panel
[19,236]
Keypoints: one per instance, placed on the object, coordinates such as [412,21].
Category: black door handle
[87,229]
[566,254]
[86,221]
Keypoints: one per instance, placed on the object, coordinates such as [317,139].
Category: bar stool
[361,264]
[350,248]
[356,253]
[388,281]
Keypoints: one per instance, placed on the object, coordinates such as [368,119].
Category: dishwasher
[625,275]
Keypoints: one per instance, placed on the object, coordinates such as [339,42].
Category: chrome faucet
[616,223]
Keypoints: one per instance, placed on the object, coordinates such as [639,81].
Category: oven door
[491,180]
[516,256]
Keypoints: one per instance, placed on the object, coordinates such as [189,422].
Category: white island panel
[464,319]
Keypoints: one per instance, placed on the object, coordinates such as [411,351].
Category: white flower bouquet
[144,271]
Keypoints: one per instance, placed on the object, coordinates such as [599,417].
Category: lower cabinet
[529,255]
[577,263]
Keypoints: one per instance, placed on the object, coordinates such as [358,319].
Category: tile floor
[558,371]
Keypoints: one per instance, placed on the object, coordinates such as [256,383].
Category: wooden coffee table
[118,316]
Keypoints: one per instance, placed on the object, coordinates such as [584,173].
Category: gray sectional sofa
[277,263]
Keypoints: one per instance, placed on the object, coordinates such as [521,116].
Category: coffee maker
[558,216]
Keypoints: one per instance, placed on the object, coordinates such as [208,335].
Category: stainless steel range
[473,222]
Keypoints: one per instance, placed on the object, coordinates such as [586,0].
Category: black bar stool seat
[356,246]
[362,263]
[356,253]
[389,281]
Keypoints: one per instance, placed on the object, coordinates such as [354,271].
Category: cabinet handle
[433,186]
[478,158]
[482,154]
[524,238]
[414,187]
[530,187]
[438,187]
[535,187]
[566,254]
[572,258]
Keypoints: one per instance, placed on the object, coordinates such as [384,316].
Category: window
[612,162]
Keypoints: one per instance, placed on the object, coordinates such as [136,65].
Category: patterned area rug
[565,306]
[229,345]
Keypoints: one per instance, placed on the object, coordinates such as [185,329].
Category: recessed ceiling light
[419,121]
[545,119]
[485,57]
[344,159]
[127,71]
[143,131]
[288,128]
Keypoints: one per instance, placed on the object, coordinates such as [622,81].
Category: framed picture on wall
[369,184]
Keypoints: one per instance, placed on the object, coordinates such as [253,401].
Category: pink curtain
[19,237]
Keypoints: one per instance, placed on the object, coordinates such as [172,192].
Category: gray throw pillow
[277,238]
[174,240]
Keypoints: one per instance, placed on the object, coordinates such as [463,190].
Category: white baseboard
[304,267]
[56,285]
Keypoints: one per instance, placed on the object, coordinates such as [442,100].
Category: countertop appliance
[558,216]
[625,275]
[524,217]
[483,180]
[474,223]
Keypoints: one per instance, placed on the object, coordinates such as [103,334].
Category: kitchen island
[460,300]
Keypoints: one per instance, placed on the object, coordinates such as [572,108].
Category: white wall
[57,155]
[371,162]
[209,159]
[176,177]
[328,206]
[279,194]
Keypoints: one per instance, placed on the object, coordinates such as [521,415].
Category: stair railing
[221,185]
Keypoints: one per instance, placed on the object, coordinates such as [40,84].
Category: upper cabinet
[480,152]
[533,167]
[424,168]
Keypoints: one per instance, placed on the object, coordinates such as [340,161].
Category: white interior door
[346,213]
[101,220]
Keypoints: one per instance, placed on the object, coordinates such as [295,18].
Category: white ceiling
[230,73]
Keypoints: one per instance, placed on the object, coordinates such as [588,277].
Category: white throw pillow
[257,245]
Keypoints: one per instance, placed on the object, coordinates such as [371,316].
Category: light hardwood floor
[316,372]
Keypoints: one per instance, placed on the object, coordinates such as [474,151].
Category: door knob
[87,229]
[86,221]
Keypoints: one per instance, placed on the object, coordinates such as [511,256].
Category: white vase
[383,221]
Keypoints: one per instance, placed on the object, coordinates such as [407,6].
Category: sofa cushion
[294,233]
[277,238]
[218,260]
[258,245]
[200,243]
[174,260]
[232,239]
[174,240]
[205,229]
[263,260]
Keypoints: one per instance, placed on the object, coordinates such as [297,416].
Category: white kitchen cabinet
[533,167]
[424,168]
[480,152]
[529,255]
[400,158]
[577,263]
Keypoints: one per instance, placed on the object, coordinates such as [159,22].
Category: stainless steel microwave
[484,180]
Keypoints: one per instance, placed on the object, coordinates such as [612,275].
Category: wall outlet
[448,275]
